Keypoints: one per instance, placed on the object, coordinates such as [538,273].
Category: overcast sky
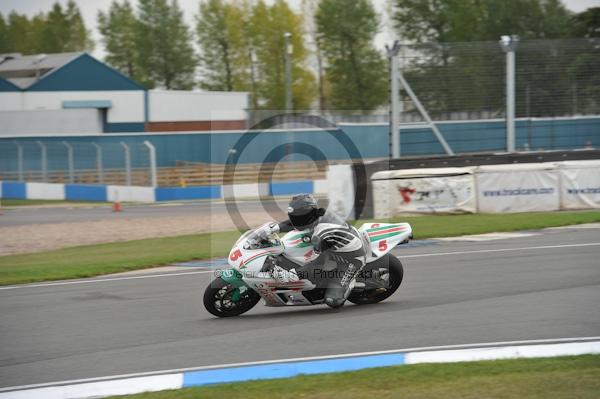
[89,9]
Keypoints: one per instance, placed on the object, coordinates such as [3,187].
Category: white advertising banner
[517,188]
[580,184]
[442,190]
[340,190]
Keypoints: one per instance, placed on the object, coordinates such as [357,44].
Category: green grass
[29,202]
[456,225]
[93,260]
[563,377]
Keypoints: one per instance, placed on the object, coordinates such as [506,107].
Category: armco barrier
[175,379]
[81,192]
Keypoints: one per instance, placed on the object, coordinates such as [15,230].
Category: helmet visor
[304,220]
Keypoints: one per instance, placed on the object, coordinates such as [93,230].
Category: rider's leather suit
[341,252]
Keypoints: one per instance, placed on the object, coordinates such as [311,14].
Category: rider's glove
[267,230]
[284,276]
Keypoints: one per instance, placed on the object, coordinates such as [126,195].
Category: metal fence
[467,81]
[460,81]
[79,162]
[493,80]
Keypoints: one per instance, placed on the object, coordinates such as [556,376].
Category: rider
[333,240]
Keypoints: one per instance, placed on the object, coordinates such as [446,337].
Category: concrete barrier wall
[82,192]
[130,194]
[45,191]
[251,190]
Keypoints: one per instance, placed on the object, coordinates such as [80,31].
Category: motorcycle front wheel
[395,273]
[223,299]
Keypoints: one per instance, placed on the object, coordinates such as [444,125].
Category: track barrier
[102,193]
[523,187]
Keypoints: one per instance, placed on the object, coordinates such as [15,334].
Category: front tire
[396,274]
[219,299]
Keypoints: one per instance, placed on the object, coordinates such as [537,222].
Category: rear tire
[219,302]
[396,274]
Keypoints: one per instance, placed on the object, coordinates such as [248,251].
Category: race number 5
[235,255]
[382,245]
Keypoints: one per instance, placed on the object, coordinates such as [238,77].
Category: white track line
[12,287]
[302,359]
[481,251]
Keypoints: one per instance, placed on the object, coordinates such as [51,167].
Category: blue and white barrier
[101,193]
[176,379]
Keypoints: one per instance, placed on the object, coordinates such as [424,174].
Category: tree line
[59,30]
[461,69]
[240,45]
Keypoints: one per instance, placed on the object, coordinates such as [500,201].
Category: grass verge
[93,260]
[563,377]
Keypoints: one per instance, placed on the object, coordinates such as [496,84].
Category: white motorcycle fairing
[250,252]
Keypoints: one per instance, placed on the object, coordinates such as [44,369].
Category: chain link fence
[466,81]
[73,162]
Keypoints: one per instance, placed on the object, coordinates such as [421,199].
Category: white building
[73,93]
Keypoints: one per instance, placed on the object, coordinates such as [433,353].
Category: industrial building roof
[78,71]
[24,70]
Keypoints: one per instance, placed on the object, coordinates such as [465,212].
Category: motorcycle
[238,289]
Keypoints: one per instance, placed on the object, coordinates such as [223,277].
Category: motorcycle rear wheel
[396,273]
[219,299]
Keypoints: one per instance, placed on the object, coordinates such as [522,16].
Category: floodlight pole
[288,71]
[127,154]
[43,160]
[394,133]
[509,45]
[152,156]
[71,161]
[99,163]
[19,160]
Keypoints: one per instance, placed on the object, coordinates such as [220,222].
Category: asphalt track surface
[543,286]
[26,215]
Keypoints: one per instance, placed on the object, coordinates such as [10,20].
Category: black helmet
[303,211]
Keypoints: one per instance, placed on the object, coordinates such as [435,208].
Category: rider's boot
[335,303]
[338,291]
